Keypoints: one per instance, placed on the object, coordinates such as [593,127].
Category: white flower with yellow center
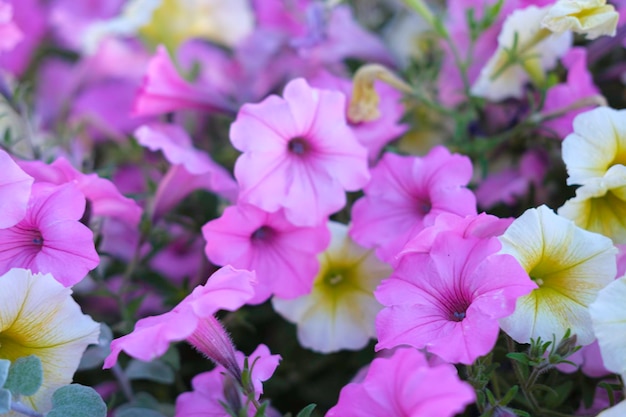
[171,22]
[536,50]
[340,311]
[597,143]
[600,205]
[570,265]
[39,317]
[592,18]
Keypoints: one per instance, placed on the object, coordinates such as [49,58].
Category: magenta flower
[448,297]
[210,388]
[15,187]
[406,194]
[192,319]
[298,154]
[283,256]
[405,385]
[50,238]
[10,34]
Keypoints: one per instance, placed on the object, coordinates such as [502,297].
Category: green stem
[530,398]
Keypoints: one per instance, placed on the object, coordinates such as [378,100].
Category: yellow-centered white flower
[537,50]
[597,143]
[171,22]
[592,18]
[340,311]
[39,317]
[570,266]
[600,205]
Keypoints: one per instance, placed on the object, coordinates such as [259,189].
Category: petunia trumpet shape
[570,265]
[449,289]
[192,319]
[39,317]
[405,385]
[298,154]
[339,312]
[50,238]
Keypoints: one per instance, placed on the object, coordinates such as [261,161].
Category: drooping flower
[298,154]
[192,319]
[39,317]
[592,18]
[600,205]
[339,312]
[50,238]
[449,289]
[15,187]
[406,194]
[535,47]
[213,389]
[570,265]
[597,144]
[283,256]
[405,385]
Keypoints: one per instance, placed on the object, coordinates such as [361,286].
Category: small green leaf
[306,411]
[5,401]
[25,376]
[510,394]
[77,401]
[138,412]
[520,413]
[156,371]
[4,370]
[519,357]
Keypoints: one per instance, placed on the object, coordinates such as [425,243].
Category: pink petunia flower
[50,238]
[211,389]
[406,194]
[298,154]
[10,34]
[405,385]
[284,256]
[192,319]
[448,297]
[15,187]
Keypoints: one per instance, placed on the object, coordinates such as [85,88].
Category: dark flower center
[38,240]
[298,146]
[263,233]
[424,207]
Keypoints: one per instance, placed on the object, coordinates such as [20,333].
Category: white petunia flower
[39,317]
[570,265]
[618,410]
[340,311]
[608,315]
[597,143]
[536,47]
[592,18]
[600,205]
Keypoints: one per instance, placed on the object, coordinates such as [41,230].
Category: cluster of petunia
[399,196]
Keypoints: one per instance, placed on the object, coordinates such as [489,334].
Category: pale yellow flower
[592,18]
[600,205]
[340,311]
[39,317]
[570,265]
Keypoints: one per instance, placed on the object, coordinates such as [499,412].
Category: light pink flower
[191,319]
[10,34]
[283,256]
[15,187]
[50,238]
[448,297]
[191,168]
[209,388]
[104,198]
[298,154]
[406,194]
[31,20]
[405,385]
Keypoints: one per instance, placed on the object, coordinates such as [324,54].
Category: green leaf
[138,412]
[4,370]
[77,400]
[5,401]
[156,371]
[25,376]
[510,394]
[520,413]
[518,357]
[306,411]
